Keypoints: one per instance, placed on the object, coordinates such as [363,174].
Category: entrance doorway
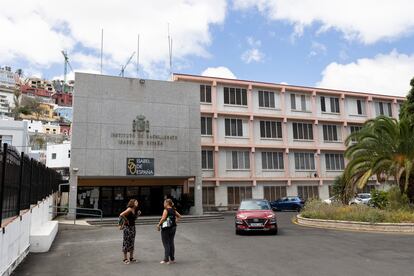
[113,200]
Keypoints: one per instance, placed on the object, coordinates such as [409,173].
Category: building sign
[140,166]
[141,135]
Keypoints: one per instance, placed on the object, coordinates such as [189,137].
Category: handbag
[122,221]
[167,223]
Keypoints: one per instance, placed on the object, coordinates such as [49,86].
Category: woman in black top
[129,215]
[168,226]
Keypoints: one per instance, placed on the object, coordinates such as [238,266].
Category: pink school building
[267,140]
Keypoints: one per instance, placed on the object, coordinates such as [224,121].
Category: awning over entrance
[93,181]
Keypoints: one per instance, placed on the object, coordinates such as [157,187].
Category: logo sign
[140,166]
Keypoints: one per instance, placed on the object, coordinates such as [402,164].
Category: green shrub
[396,200]
[319,210]
[379,199]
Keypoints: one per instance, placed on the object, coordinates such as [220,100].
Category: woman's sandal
[126,261]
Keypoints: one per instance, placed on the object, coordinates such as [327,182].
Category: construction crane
[65,70]
[126,64]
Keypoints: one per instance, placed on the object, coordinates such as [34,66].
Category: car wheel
[274,232]
[238,232]
[298,208]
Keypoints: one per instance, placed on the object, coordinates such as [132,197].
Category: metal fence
[23,181]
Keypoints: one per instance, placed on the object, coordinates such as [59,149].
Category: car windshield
[364,196]
[255,205]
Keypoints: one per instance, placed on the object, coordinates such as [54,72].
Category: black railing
[23,181]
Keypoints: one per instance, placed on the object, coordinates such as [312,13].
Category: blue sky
[353,45]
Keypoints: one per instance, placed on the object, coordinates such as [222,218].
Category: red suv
[255,215]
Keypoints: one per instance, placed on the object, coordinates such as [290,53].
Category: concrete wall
[16,239]
[62,152]
[104,105]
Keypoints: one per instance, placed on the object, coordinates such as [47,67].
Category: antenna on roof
[126,64]
[170,44]
[102,37]
[138,57]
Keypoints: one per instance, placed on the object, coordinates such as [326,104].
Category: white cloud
[219,72]
[252,55]
[36,31]
[367,21]
[317,49]
[388,74]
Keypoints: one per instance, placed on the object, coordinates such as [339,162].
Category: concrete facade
[15,133]
[103,137]
[330,115]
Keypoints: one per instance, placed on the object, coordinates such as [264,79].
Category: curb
[404,228]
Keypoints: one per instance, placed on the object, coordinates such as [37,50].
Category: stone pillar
[73,194]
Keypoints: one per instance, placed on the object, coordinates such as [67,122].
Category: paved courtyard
[211,248]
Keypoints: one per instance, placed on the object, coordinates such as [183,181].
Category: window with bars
[304,161]
[333,104]
[209,197]
[238,160]
[272,193]
[233,127]
[270,129]
[266,99]
[235,96]
[302,131]
[236,194]
[334,161]
[299,102]
[330,133]
[308,192]
[205,93]
[207,160]
[383,108]
[206,126]
[272,161]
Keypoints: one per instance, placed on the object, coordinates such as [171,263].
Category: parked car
[361,198]
[331,200]
[255,215]
[288,203]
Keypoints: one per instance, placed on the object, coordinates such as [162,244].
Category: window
[53,155]
[383,108]
[359,107]
[206,126]
[330,133]
[209,196]
[304,161]
[308,192]
[205,93]
[235,96]
[323,104]
[354,129]
[273,193]
[270,129]
[207,160]
[334,161]
[334,105]
[6,139]
[266,99]
[234,127]
[238,160]
[272,161]
[299,102]
[236,194]
[302,131]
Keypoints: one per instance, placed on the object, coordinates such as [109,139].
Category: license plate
[256,224]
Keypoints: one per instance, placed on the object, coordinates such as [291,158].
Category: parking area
[212,248]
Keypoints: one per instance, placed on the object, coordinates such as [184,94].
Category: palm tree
[384,148]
